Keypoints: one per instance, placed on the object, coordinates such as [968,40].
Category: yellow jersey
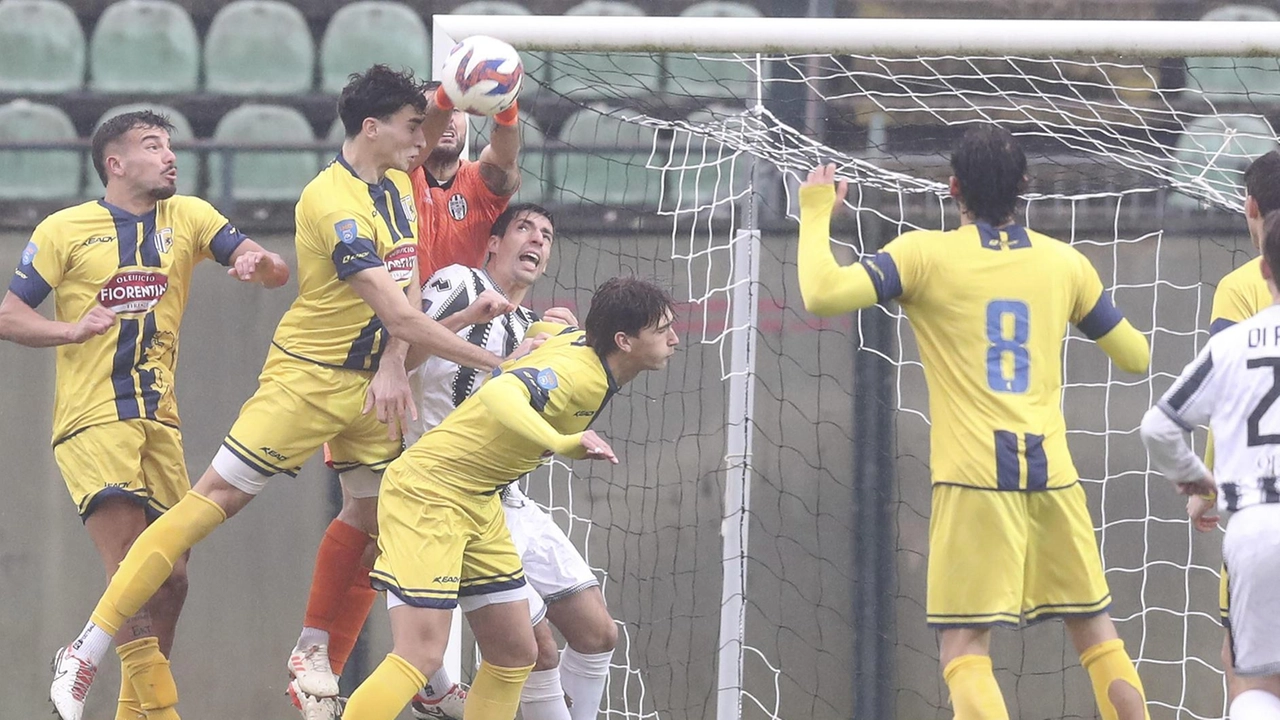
[536,406]
[345,225]
[140,267]
[1241,294]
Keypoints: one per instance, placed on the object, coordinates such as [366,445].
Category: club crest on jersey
[410,210]
[163,239]
[346,230]
[547,379]
[401,261]
[133,291]
[457,206]
[29,254]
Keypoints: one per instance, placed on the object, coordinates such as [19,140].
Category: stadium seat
[37,174]
[373,31]
[535,166]
[257,47]
[189,161]
[711,75]
[41,47]
[259,174]
[490,7]
[1230,143]
[592,76]
[1236,80]
[144,46]
[603,162]
[336,134]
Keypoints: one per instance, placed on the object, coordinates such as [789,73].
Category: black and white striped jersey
[1232,386]
[440,385]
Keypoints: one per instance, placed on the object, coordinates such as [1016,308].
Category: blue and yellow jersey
[345,225]
[140,267]
[1241,294]
[537,406]
[988,308]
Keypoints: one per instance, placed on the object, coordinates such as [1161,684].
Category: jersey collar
[119,212]
[384,184]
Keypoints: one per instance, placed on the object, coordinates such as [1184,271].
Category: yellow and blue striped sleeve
[1098,318]
[218,237]
[347,237]
[42,265]
[518,399]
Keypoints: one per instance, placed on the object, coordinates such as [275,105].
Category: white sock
[1255,705]
[439,685]
[583,678]
[543,698]
[92,644]
[311,636]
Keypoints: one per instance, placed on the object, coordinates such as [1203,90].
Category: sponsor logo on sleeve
[401,261]
[133,291]
[346,230]
[29,254]
[547,379]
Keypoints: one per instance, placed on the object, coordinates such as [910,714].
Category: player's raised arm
[375,286]
[252,263]
[1165,426]
[499,161]
[1099,319]
[827,287]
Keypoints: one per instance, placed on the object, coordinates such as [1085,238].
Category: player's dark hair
[990,167]
[503,221]
[429,86]
[624,304]
[1262,181]
[115,128]
[378,92]
[1271,242]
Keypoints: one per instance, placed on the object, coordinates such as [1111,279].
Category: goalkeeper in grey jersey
[1233,386]
[483,306]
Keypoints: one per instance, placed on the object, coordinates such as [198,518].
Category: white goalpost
[683,139]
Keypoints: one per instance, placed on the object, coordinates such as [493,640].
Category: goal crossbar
[901,37]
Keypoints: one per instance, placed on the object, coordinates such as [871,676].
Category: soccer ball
[482,75]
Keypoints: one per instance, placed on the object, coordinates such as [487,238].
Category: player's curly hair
[115,128]
[627,305]
[378,92]
[991,169]
[1262,181]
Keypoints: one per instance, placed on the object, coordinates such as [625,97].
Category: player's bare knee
[601,637]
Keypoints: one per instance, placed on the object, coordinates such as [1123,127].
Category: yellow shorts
[298,407]
[439,546]
[137,459]
[1000,557]
[1224,597]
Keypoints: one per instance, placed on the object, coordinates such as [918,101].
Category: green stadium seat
[144,46]
[189,161]
[592,76]
[259,47]
[710,75]
[490,7]
[709,171]
[1230,143]
[603,162]
[261,174]
[535,166]
[41,47]
[1249,81]
[369,32]
[37,174]
[336,134]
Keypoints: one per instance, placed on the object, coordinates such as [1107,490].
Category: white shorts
[553,567]
[1251,553]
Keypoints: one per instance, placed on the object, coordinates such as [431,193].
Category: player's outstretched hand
[562,315]
[1202,510]
[825,175]
[597,448]
[391,397]
[260,266]
[528,345]
[488,305]
[97,321]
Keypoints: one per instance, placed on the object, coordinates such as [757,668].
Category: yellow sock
[1107,664]
[150,560]
[385,693]
[128,707]
[148,670]
[495,692]
[974,692]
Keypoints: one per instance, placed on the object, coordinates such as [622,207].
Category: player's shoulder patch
[547,379]
[346,230]
[29,254]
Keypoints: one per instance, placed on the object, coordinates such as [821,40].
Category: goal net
[726,538]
